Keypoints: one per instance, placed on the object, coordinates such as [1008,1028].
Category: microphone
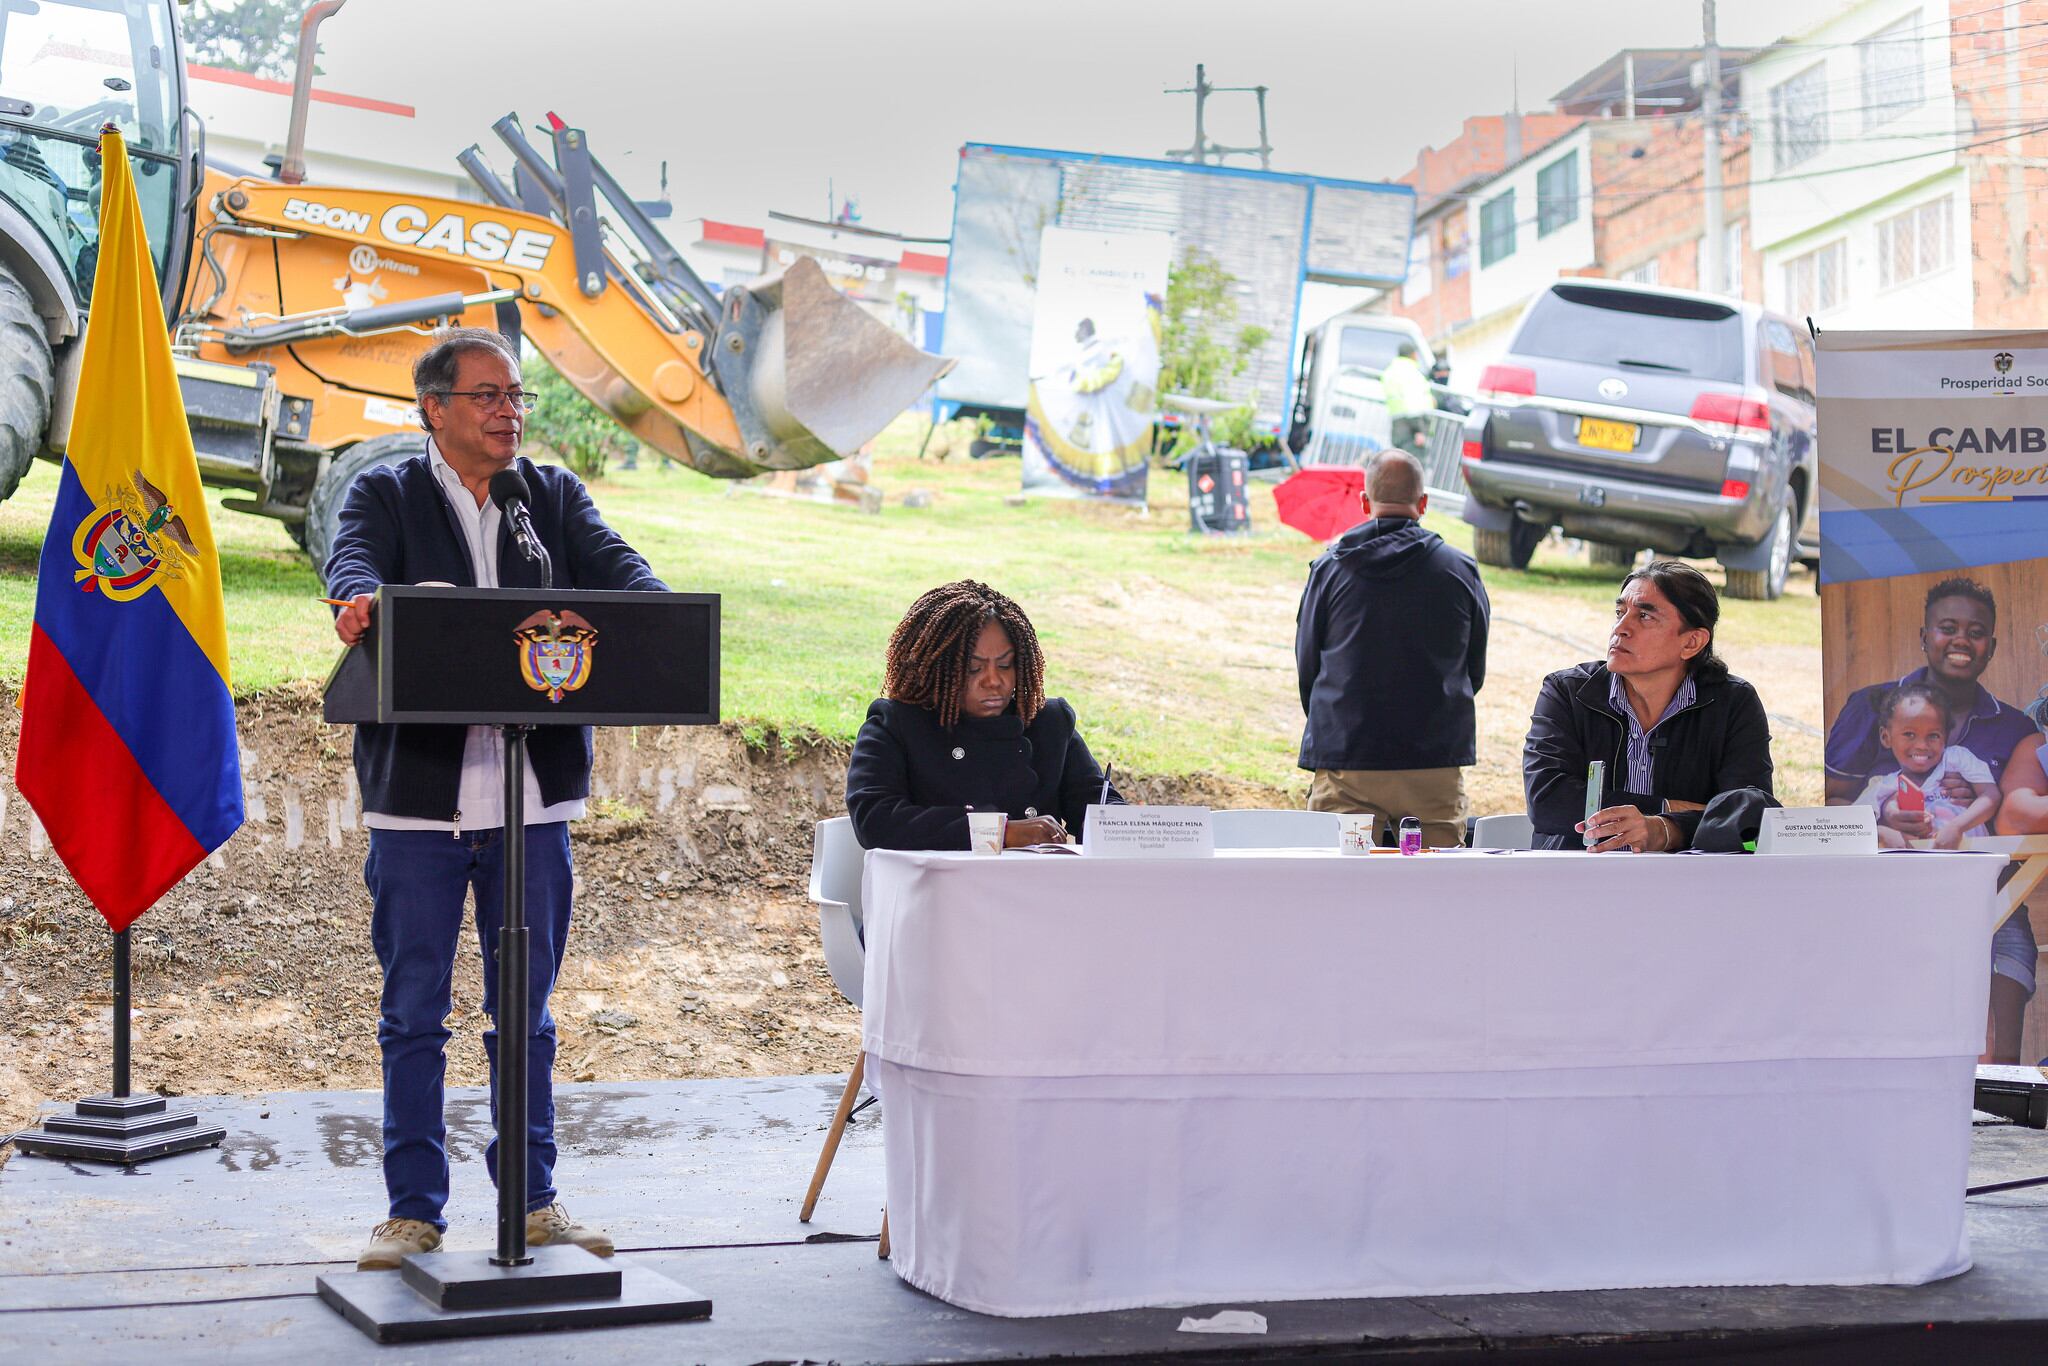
[510,493]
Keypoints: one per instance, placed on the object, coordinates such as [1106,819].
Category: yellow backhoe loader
[297,310]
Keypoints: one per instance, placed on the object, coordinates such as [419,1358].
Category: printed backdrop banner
[1094,362]
[1934,603]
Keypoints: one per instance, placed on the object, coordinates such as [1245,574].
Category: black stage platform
[211,1257]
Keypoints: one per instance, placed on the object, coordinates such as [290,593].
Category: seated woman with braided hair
[966,726]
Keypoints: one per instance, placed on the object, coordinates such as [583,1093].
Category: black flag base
[438,1295]
[119,1127]
[123,1129]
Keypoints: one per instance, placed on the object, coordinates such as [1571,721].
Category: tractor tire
[1622,557]
[1768,583]
[28,373]
[323,509]
[1510,549]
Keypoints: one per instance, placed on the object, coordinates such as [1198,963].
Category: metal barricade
[1352,426]
[1351,423]
[1443,461]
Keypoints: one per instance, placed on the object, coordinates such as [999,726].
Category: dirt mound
[695,952]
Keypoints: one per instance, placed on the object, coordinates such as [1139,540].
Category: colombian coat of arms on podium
[556,652]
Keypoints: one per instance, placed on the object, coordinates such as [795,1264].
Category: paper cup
[985,831]
[1354,834]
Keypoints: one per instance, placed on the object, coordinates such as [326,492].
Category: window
[1369,348]
[1497,229]
[1644,274]
[1641,333]
[1784,363]
[1557,194]
[1730,282]
[1799,117]
[1420,281]
[1814,282]
[1893,72]
[1917,242]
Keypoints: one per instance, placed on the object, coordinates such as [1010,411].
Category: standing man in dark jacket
[1390,646]
[433,795]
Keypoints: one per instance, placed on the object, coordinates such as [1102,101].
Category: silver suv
[1632,416]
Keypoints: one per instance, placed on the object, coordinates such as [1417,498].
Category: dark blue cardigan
[397,527]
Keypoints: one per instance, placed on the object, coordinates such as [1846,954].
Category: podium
[517,658]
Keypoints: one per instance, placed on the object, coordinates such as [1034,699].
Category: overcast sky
[756,107]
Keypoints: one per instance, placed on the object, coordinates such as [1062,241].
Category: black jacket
[1390,646]
[1720,743]
[396,527]
[911,782]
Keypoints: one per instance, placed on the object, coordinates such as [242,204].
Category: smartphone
[1911,797]
[1596,784]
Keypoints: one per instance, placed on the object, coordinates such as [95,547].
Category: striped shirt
[1642,761]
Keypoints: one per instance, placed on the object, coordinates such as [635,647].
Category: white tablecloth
[1288,1075]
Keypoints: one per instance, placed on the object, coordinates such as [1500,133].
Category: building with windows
[1863,184]
[899,280]
[1437,294]
[1899,153]
[1610,184]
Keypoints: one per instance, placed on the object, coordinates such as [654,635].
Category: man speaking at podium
[433,795]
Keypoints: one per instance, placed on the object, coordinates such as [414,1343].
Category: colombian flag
[128,728]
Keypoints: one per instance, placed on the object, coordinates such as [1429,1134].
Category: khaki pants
[1434,796]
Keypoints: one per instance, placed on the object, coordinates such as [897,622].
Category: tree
[1198,350]
[260,37]
[581,435]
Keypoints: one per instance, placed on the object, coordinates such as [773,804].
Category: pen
[1107,769]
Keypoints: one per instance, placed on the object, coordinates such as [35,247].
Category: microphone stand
[513,1015]
[529,542]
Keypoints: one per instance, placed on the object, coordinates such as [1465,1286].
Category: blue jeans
[417,879]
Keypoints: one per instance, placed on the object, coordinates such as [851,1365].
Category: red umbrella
[1321,501]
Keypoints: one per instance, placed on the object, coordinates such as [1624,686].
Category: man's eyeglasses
[490,400]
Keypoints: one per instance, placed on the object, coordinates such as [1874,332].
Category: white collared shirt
[481,803]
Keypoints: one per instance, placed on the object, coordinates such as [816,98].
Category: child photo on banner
[1934,604]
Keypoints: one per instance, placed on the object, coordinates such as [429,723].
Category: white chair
[835,891]
[1274,829]
[836,858]
[1512,831]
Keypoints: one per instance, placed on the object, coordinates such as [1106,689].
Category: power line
[1644,196]
[1789,179]
[1764,54]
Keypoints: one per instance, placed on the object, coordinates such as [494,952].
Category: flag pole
[121,1014]
[120,1126]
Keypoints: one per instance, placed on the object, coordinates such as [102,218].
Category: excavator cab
[67,67]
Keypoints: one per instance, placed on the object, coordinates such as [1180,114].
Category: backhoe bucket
[810,375]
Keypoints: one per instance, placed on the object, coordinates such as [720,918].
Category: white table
[1275,1075]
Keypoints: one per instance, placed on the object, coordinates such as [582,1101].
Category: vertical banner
[1934,607]
[1094,363]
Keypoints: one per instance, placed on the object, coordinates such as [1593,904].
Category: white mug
[986,831]
[1354,833]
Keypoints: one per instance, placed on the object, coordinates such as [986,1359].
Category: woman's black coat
[911,782]
[1721,743]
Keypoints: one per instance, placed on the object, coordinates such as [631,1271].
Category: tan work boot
[395,1239]
[552,1225]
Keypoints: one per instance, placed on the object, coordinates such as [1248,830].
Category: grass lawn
[1176,649]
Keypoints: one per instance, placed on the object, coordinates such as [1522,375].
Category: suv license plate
[1601,434]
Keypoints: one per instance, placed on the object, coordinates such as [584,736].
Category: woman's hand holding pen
[1035,830]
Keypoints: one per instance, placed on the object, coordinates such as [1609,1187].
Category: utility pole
[1710,109]
[1203,150]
